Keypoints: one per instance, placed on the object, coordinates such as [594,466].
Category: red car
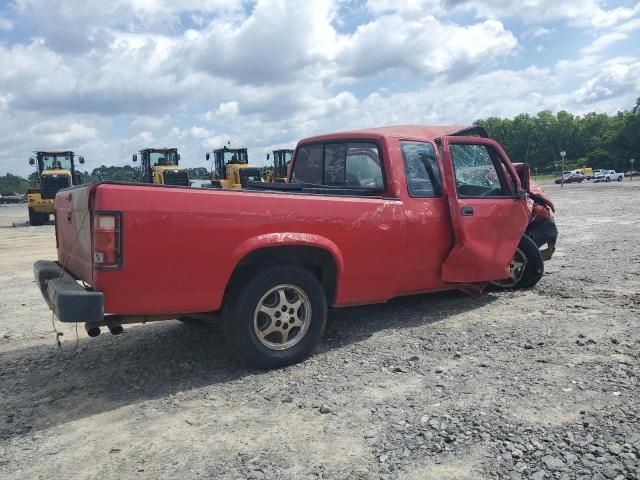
[366,216]
[570,178]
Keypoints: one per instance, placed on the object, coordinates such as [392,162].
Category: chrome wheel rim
[282,317]
[517,267]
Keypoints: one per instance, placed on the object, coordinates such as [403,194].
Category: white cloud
[541,32]
[603,42]
[148,122]
[614,79]
[274,44]
[576,12]
[424,46]
[5,25]
[73,133]
[228,108]
[78,26]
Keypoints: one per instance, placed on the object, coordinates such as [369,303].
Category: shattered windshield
[476,174]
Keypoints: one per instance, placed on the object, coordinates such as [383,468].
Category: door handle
[467,211]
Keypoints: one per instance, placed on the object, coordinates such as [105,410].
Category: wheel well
[317,260]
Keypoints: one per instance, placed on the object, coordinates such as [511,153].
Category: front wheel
[526,267]
[608,179]
[277,317]
[36,218]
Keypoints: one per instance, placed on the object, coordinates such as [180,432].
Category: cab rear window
[343,164]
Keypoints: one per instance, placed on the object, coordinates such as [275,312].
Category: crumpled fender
[537,193]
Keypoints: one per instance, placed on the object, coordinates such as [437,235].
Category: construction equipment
[279,173]
[231,168]
[161,166]
[56,170]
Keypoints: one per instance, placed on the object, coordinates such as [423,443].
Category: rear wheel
[608,179]
[619,179]
[277,318]
[36,218]
[526,267]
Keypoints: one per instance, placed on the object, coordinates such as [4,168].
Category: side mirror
[522,194]
[32,161]
[81,160]
[208,157]
[268,156]
[135,158]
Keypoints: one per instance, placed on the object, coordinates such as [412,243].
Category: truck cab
[56,170]
[161,166]
[231,168]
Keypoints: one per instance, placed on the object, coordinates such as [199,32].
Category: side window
[308,165]
[476,172]
[421,169]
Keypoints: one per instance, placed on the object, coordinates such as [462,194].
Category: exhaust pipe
[93,330]
[115,329]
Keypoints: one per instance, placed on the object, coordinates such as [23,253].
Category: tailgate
[73,231]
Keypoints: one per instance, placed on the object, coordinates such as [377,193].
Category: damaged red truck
[367,215]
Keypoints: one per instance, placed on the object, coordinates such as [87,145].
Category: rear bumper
[543,233]
[68,300]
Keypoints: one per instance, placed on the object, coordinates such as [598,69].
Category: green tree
[10,184]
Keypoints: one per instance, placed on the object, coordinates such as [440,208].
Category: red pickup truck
[366,216]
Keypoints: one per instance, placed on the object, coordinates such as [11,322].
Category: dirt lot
[535,384]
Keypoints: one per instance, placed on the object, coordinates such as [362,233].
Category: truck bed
[167,231]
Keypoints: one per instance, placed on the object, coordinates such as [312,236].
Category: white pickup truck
[608,176]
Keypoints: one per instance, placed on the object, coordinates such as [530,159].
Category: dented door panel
[488,219]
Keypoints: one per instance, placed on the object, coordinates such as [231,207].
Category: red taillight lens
[107,240]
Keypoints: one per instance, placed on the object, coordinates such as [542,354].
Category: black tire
[608,179]
[241,327]
[533,270]
[36,218]
[619,179]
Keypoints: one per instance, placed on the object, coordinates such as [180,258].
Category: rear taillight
[107,240]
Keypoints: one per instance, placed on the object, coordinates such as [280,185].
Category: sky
[108,78]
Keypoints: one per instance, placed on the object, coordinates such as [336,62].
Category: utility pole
[631,160]
[562,154]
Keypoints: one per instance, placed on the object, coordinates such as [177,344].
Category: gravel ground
[540,384]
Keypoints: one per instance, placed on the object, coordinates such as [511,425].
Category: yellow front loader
[279,173]
[161,166]
[56,170]
[231,168]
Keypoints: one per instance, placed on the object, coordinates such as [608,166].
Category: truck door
[489,213]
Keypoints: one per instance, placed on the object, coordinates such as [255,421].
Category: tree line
[596,140]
